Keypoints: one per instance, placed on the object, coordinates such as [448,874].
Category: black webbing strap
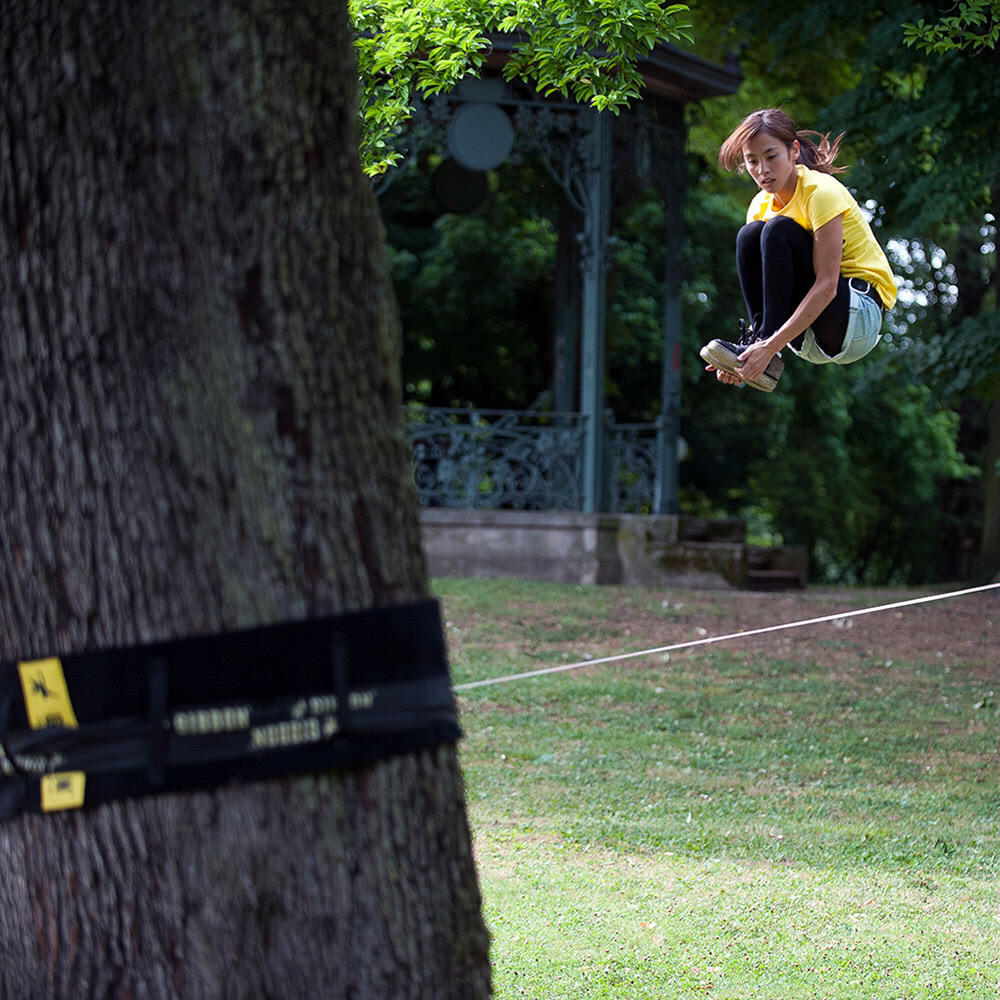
[195,713]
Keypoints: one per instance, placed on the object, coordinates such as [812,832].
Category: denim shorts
[864,331]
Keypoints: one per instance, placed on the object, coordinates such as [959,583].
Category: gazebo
[477,128]
[564,494]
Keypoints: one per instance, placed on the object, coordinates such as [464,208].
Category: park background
[885,471]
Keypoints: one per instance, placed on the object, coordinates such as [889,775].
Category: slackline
[510,678]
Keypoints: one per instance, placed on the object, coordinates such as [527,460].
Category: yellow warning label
[46,696]
[63,791]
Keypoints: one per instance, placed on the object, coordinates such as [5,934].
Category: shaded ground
[957,630]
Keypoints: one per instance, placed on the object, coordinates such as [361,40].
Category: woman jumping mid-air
[813,276]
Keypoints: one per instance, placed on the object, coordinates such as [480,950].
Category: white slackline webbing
[469,685]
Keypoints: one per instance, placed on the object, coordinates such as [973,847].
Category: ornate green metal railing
[631,458]
[526,460]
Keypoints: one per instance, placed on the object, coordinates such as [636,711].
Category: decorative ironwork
[525,460]
[560,137]
[632,458]
[497,459]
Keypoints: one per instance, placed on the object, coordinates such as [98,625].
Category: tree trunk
[989,547]
[989,550]
[201,429]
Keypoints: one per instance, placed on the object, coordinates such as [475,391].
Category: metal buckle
[866,288]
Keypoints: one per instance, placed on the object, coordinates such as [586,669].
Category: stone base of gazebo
[653,550]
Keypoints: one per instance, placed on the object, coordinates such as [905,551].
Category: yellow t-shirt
[819,198]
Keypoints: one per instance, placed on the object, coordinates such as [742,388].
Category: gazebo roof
[673,73]
[669,72]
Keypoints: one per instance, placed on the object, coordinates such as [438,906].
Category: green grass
[728,824]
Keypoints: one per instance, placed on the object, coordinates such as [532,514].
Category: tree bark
[988,563]
[201,431]
[989,550]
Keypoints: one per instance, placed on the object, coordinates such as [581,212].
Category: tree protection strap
[195,713]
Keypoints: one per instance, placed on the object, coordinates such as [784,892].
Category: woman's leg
[750,269]
[787,274]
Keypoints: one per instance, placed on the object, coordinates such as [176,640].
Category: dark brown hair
[815,149]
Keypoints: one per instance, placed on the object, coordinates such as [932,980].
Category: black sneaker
[725,355]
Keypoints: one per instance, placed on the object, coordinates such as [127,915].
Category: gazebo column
[597,217]
[567,308]
[671,185]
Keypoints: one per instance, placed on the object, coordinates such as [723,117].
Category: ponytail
[819,154]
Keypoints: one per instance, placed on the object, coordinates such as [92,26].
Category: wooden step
[774,579]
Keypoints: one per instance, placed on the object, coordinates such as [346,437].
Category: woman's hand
[725,377]
[756,358]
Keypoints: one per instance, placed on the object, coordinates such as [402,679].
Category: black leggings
[775,265]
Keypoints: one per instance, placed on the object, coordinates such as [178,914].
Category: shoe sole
[719,356]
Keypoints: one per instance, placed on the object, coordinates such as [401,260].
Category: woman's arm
[828,248]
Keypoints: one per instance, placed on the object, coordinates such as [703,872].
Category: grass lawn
[724,824]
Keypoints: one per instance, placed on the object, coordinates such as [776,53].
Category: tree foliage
[974,24]
[851,467]
[584,49]
[475,289]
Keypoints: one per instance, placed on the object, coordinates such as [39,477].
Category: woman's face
[772,164]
